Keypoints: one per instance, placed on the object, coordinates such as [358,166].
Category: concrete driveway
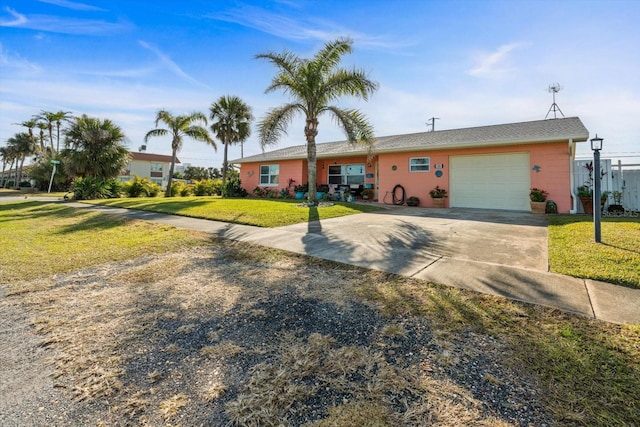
[406,240]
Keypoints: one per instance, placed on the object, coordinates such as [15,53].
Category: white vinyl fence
[614,177]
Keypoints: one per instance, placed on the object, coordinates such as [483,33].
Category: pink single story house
[487,167]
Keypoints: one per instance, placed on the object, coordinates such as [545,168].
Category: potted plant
[438,195]
[322,190]
[413,201]
[367,194]
[300,190]
[538,199]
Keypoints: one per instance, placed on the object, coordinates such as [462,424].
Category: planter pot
[587,204]
[438,203]
[299,195]
[413,203]
[538,207]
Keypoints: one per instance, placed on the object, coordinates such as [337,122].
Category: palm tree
[96,149]
[42,137]
[22,145]
[8,155]
[58,118]
[312,85]
[232,125]
[178,128]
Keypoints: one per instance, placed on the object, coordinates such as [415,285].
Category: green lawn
[42,239]
[258,212]
[572,250]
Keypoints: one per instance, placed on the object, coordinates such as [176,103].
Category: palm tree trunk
[51,139]
[19,171]
[224,170]
[167,193]
[6,183]
[310,131]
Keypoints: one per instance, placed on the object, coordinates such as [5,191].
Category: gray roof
[540,131]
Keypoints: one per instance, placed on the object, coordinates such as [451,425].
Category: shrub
[95,188]
[179,188]
[233,188]
[141,187]
[207,187]
[259,192]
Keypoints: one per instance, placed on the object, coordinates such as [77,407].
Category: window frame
[413,167]
[270,175]
[344,174]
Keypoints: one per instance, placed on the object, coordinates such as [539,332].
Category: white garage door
[492,181]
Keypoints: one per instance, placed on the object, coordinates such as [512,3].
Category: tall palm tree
[41,136]
[313,84]
[59,117]
[178,128]
[96,149]
[232,124]
[23,146]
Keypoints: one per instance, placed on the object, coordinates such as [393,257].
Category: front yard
[190,330]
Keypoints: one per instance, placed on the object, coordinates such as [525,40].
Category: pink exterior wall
[552,158]
[289,169]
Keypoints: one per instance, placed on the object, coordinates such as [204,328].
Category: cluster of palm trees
[311,83]
[26,144]
[94,148]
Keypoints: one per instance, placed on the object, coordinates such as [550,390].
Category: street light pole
[596,146]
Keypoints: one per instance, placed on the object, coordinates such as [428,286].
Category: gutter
[574,196]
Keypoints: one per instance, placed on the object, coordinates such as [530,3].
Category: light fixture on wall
[250,174]
[596,146]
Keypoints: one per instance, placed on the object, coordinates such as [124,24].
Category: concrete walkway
[497,253]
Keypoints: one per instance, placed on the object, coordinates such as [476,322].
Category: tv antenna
[554,88]
[432,123]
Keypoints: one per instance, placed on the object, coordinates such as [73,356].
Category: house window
[346,174]
[269,175]
[419,164]
[156,167]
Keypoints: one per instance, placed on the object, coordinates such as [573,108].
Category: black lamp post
[596,146]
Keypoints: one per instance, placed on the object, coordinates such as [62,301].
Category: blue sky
[469,63]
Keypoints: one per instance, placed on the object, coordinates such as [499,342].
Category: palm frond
[155,132]
[275,124]
[356,127]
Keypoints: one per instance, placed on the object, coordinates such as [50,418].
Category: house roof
[540,131]
[150,157]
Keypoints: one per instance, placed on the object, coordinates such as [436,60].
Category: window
[269,175]
[419,164]
[346,174]
[156,167]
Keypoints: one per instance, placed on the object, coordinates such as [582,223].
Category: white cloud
[54,24]
[494,62]
[72,5]
[304,29]
[171,65]
[17,63]
[18,19]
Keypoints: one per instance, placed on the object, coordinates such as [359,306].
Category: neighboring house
[488,167]
[155,167]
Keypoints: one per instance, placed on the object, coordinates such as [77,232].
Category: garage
[492,181]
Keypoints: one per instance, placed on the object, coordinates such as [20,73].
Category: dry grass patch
[224,349]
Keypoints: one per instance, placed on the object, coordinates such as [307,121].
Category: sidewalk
[603,301]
